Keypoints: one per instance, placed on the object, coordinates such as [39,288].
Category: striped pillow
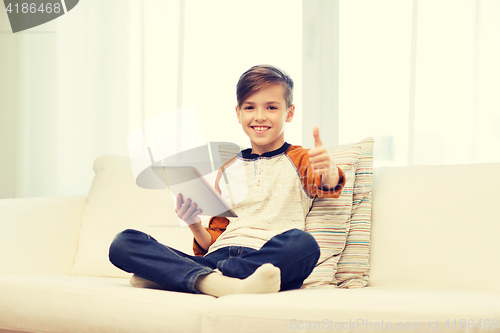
[328,219]
[342,225]
[353,268]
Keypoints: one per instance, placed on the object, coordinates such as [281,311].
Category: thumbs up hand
[322,164]
[320,160]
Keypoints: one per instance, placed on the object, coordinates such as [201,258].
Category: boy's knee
[302,236]
[121,244]
[303,241]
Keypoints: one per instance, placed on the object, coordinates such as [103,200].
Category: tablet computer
[191,184]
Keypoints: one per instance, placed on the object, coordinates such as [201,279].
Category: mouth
[260,129]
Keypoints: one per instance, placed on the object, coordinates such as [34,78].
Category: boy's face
[263,116]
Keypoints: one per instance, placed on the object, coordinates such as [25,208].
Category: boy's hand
[320,160]
[187,211]
[322,164]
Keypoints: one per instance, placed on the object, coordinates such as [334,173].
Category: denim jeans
[295,252]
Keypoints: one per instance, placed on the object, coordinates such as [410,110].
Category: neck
[259,150]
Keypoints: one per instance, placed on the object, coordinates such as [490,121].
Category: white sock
[265,279]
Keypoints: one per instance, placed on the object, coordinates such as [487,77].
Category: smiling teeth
[261,128]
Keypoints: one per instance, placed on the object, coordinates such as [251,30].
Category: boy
[265,248]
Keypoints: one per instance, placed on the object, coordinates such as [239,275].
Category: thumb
[317,141]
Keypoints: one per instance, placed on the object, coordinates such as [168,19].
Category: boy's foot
[265,279]
[139,282]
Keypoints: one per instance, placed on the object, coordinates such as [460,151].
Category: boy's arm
[207,236]
[313,165]
[203,237]
[311,181]
[332,178]
[329,190]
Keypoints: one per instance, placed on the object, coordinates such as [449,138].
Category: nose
[260,114]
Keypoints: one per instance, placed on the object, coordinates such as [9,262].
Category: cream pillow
[353,268]
[343,225]
[328,220]
[116,203]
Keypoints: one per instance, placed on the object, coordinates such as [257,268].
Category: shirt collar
[247,153]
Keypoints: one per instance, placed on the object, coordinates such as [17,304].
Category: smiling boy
[271,186]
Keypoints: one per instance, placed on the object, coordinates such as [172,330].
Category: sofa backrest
[39,235]
[436,227]
[116,203]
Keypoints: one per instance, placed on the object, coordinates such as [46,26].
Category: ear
[291,112]
[238,114]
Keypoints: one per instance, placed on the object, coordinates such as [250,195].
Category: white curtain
[422,77]
[74,89]
[78,91]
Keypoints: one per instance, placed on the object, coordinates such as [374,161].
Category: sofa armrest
[39,235]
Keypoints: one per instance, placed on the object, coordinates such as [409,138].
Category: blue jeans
[295,252]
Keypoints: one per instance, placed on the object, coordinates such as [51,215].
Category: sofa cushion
[328,219]
[370,309]
[95,304]
[116,203]
[342,226]
[436,226]
[353,267]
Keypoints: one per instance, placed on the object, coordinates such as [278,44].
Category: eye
[273,108]
[248,107]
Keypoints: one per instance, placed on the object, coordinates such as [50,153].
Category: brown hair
[259,77]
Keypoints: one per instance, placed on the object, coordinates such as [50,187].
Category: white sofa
[434,264]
